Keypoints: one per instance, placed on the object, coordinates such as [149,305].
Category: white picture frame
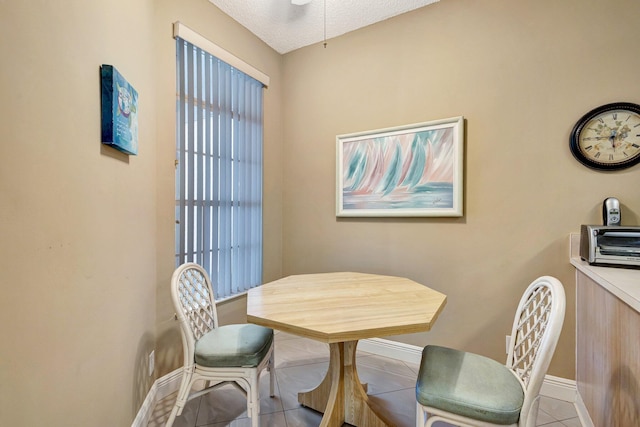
[406,171]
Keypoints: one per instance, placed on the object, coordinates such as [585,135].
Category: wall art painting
[410,171]
[119,111]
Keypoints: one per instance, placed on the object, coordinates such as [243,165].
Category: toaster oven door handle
[615,250]
[621,234]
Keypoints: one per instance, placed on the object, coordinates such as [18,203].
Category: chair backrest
[536,329]
[195,305]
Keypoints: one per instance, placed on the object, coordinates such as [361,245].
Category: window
[218,170]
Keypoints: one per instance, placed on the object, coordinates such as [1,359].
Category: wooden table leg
[328,396]
[340,395]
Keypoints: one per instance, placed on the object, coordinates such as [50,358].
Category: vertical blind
[218,170]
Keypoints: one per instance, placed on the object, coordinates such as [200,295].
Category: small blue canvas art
[119,111]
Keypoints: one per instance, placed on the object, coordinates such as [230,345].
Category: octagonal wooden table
[340,309]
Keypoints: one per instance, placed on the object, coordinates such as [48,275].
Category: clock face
[608,137]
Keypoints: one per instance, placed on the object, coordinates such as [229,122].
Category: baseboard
[392,349]
[145,411]
[554,387]
[168,384]
[559,388]
[583,414]
[161,388]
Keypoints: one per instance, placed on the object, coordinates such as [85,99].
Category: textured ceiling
[286,26]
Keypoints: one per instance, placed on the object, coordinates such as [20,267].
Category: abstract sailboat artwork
[413,170]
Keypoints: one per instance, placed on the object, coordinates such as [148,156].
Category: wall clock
[608,137]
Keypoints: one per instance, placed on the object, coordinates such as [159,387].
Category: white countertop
[624,283]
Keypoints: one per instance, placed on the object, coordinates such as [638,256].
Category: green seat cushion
[468,384]
[234,345]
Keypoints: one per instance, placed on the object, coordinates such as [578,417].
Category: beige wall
[87,233]
[522,73]
[77,220]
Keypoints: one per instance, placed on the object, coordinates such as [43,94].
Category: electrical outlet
[508,343]
[152,362]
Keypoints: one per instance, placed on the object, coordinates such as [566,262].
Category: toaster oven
[610,245]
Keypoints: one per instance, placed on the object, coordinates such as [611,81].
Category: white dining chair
[468,389]
[219,355]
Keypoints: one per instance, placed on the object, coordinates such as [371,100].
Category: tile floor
[301,364]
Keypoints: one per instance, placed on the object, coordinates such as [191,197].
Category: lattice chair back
[192,293]
[536,328]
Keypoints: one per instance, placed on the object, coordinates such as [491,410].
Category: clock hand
[612,138]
